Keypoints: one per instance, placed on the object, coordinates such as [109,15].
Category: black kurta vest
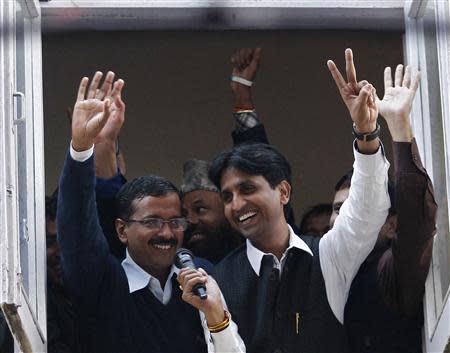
[288,315]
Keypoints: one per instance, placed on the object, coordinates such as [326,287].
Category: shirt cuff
[81,156]
[246,120]
[369,164]
[227,340]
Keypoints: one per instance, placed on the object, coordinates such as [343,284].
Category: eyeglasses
[178,224]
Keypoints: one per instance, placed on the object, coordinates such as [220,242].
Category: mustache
[163,241]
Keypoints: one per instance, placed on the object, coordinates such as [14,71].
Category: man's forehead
[233,177]
[155,204]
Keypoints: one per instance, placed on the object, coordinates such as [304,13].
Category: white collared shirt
[255,255]
[344,247]
[225,341]
[138,278]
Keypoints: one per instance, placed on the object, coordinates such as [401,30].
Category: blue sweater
[110,318]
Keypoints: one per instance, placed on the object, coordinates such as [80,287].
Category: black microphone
[184,259]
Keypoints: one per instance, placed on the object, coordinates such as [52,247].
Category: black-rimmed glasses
[178,224]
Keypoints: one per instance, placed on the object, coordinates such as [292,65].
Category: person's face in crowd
[152,249]
[251,205]
[208,226]
[54,270]
[387,231]
[339,197]
[318,225]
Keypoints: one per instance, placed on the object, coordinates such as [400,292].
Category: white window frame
[25,311]
[67,15]
[437,311]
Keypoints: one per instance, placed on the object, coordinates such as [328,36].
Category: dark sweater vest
[288,315]
[140,323]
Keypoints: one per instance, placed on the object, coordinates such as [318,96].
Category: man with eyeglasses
[136,306]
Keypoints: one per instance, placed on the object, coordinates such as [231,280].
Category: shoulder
[312,242]
[233,257]
[205,264]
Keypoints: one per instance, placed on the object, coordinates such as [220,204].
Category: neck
[160,275]
[276,241]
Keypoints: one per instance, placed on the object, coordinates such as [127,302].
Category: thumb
[256,56]
[106,113]
[365,94]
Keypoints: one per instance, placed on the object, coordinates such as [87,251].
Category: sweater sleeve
[84,250]
[403,268]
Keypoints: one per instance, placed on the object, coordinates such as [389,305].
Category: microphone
[184,259]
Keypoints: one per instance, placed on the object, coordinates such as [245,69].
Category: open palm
[398,98]
[89,115]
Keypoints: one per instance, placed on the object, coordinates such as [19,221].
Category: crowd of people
[349,278]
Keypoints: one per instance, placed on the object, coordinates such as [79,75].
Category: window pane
[441,256]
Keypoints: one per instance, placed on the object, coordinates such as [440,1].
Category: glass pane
[441,250]
[21,137]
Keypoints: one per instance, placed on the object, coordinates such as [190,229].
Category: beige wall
[179,103]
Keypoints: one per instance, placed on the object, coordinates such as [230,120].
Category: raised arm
[245,63]
[83,246]
[347,244]
[109,161]
[403,268]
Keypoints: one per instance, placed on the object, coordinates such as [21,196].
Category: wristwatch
[369,136]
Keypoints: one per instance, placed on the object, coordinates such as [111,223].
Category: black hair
[254,159]
[314,211]
[137,189]
[345,181]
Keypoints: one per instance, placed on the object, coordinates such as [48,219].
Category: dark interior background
[179,101]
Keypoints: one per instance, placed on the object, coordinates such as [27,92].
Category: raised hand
[359,97]
[90,114]
[112,128]
[396,104]
[245,64]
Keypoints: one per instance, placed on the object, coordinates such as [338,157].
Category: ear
[285,191]
[121,229]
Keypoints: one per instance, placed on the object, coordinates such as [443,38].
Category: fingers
[117,88]
[407,77]
[244,57]
[350,67]
[387,78]
[106,113]
[94,84]
[367,95]
[361,84]
[105,89]
[415,81]
[338,79]
[398,75]
[82,89]
[256,57]
[188,278]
